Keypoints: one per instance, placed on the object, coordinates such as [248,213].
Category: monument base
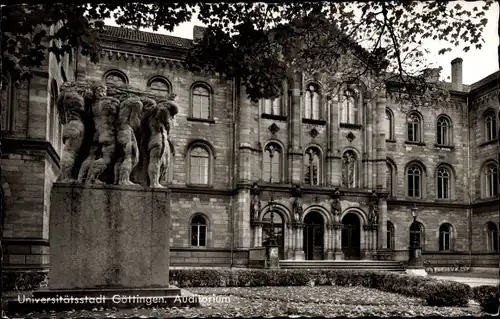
[109,236]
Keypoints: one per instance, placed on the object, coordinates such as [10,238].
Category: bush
[487,297]
[19,281]
[446,294]
[436,293]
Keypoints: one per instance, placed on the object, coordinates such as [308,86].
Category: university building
[306,149]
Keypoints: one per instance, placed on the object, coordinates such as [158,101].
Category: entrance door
[351,234]
[313,236]
[278,231]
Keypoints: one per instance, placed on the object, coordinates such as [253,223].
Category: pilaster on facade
[333,160]
[295,130]
[381,145]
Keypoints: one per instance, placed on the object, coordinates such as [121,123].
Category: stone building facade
[344,171]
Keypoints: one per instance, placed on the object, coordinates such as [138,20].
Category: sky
[477,64]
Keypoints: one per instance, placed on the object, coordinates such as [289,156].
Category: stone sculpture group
[114,135]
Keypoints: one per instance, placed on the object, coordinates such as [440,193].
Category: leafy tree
[261,42]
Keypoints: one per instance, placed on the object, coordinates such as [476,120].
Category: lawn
[489,275]
[328,301]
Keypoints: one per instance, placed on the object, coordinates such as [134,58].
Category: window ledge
[415,143]
[390,141]
[274,117]
[489,142]
[311,121]
[196,119]
[450,147]
[199,185]
[351,126]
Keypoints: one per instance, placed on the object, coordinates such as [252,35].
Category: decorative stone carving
[273,128]
[255,205]
[336,206]
[373,215]
[128,152]
[350,136]
[314,132]
[156,127]
[102,127]
[71,108]
[104,111]
[297,204]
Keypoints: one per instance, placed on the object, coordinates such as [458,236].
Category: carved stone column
[291,242]
[337,251]
[257,230]
[381,169]
[367,251]
[295,130]
[382,229]
[329,243]
[334,151]
[299,250]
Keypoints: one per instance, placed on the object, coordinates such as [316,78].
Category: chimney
[456,74]
[198,33]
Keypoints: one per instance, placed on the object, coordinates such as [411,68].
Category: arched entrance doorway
[351,236]
[313,236]
[278,231]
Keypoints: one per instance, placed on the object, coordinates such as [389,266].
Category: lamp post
[272,247]
[415,262]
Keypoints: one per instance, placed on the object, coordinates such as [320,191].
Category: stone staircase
[386,265]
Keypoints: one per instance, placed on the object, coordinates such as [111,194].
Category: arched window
[349,170]
[271,170]
[349,109]
[443,131]
[491,234]
[390,235]
[115,78]
[416,234]
[6,100]
[443,183]
[389,122]
[445,237]
[490,180]
[490,126]
[199,164]
[414,181]
[272,106]
[198,231]
[312,166]
[414,123]
[200,102]
[312,102]
[389,179]
[159,86]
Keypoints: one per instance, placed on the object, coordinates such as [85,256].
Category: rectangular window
[411,133]
[198,235]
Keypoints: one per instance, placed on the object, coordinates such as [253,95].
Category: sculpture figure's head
[100,91]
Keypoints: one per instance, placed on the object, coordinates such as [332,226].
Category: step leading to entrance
[388,265]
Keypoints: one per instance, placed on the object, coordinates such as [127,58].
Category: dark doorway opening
[351,237]
[313,236]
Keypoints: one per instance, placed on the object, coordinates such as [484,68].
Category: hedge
[434,292]
[487,297]
[27,280]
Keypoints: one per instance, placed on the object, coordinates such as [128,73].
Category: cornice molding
[12,145]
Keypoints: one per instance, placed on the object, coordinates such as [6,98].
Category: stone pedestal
[108,236]
[338,254]
[273,260]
